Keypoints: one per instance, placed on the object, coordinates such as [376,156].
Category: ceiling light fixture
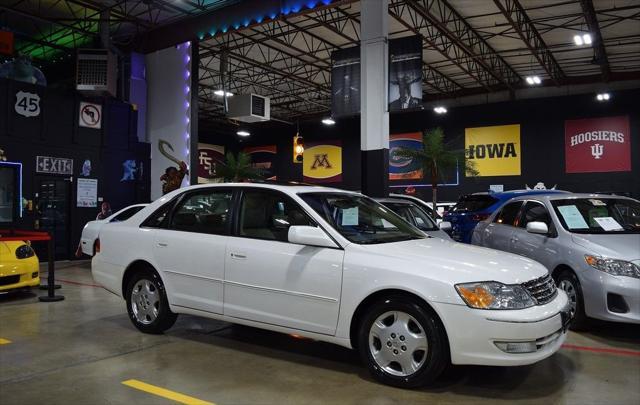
[582,39]
[603,96]
[328,121]
[531,80]
[243,133]
[222,93]
[440,110]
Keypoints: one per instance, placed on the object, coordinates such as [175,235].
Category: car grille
[9,280]
[542,289]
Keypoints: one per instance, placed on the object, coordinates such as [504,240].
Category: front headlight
[613,266]
[24,252]
[494,295]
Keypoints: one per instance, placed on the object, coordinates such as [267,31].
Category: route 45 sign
[27,104]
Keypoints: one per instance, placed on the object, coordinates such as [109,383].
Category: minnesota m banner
[322,163]
[494,150]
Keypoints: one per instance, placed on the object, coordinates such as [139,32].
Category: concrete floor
[79,351]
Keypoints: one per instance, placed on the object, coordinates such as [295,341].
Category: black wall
[541,134]
[55,132]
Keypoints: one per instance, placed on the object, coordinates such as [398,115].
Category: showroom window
[203,212]
[268,215]
[508,214]
[534,212]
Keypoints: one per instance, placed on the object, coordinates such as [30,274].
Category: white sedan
[92,228]
[334,266]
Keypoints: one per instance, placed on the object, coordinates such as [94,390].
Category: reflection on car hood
[617,246]
[458,262]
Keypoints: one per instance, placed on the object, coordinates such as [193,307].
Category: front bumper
[600,289]
[473,333]
[17,274]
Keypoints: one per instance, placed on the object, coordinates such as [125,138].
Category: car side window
[534,212]
[205,211]
[268,215]
[159,218]
[508,213]
[126,214]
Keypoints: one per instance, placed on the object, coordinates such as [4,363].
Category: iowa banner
[597,145]
[494,150]
[263,158]
[400,167]
[322,162]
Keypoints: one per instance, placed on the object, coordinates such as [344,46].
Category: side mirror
[445,226]
[311,236]
[538,227]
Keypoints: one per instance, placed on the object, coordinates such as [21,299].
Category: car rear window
[469,203]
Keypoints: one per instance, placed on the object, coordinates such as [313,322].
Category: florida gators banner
[494,150]
[322,162]
[263,158]
[597,145]
[400,167]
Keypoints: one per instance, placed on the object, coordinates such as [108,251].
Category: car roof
[394,200]
[565,196]
[289,187]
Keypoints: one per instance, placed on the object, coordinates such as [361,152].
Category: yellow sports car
[19,266]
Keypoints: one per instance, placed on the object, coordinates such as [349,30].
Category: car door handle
[238,256]
[162,244]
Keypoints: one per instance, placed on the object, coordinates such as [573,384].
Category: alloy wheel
[398,343]
[569,288]
[145,301]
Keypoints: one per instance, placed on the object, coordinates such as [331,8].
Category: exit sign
[54,165]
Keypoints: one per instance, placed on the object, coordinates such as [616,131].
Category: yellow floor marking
[162,392]
[4,341]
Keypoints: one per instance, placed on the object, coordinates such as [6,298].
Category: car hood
[458,262]
[616,246]
[4,249]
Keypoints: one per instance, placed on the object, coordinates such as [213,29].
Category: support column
[195,110]
[374,118]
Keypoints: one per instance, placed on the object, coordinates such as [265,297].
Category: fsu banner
[322,162]
[263,158]
[495,150]
[208,157]
[597,145]
[405,73]
[400,167]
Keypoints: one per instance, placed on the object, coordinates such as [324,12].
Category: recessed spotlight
[222,93]
[603,96]
[531,80]
[243,133]
[328,121]
[440,110]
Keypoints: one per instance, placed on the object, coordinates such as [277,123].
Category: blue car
[476,207]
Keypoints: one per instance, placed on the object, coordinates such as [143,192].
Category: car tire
[569,283]
[400,328]
[147,303]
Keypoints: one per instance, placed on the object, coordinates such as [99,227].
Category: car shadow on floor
[613,332]
[19,297]
[525,382]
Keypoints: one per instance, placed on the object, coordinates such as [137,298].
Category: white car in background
[334,266]
[91,230]
[441,207]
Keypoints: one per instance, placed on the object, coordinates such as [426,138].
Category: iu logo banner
[597,145]
[495,150]
[322,163]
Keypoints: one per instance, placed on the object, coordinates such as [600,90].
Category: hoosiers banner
[597,145]
[322,163]
[400,167]
[263,158]
[494,150]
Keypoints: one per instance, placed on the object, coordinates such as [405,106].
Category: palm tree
[437,156]
[236,169]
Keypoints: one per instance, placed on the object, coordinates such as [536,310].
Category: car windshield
[360,219]
[598,215]
[414,215]
[474,202]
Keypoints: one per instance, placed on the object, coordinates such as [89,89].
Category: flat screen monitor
[10,192]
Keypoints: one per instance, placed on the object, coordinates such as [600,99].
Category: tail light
[479,217]
[96,246]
